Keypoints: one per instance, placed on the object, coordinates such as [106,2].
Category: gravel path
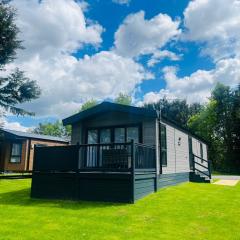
[226,177]
[226,182]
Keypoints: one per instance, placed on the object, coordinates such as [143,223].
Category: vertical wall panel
[177,151]
[171,156]
[182,151]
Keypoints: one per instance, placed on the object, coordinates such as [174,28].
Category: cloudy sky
[78,50]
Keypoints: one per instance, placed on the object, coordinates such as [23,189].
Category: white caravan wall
[178,151]
[182,151]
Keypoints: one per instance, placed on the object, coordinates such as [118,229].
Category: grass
[187,211]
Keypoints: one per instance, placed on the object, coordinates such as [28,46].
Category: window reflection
[92,136]
[119,135]
[105,136]
[132,134]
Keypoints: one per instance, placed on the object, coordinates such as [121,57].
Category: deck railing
[202,166]
[145,156]
[95,157]
[105,156]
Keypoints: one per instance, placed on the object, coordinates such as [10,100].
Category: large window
[105,135]
[116,134]
[92,136]
[16,153]
[163,142]
[119,135]
[133,134]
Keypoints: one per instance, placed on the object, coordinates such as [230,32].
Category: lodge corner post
[133,171]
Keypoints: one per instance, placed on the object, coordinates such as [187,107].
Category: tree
[203,124]
[219,123]
[53,129]
[89,104]
[123,99]
[177,110]
[15,88]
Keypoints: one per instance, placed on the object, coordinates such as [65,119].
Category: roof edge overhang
[108,107]
[12,136]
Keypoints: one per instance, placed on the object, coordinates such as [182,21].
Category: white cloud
[52,33]
[160,55]
[153,97]
[122,2]
[139,36]
[14,126]
[196,87]
[49,29]
[66,82]
[216,23]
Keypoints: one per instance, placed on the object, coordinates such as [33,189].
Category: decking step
[199,178]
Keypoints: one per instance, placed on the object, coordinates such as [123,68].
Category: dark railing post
[209,169]
[133,169]
[78,160]
[79,163]
[193,162]
[156,173]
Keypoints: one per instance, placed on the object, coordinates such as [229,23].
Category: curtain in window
[16,153]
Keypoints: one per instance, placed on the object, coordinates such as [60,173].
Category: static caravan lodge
[17,149]
[119,153]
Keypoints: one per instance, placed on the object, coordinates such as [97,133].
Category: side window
[16,153]
[163,142]
[40,145]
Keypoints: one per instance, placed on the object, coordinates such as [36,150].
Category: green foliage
[218,122]
[123,99]
[176,110]
[9,41]
[53,129]
[14,88]
[89,104]
[203,122]
[188,211]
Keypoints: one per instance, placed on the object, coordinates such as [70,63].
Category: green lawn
[187,211]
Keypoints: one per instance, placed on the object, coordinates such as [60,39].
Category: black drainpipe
[159,138]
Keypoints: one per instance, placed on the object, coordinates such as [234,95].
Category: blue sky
[146,48]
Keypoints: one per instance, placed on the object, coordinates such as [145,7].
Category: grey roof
[106,107]
[109,106]
[34,136]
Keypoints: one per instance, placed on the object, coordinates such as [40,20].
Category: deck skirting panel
[171,179]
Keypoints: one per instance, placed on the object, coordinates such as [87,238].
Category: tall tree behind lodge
[15,88]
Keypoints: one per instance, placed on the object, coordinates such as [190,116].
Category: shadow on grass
[22,198]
